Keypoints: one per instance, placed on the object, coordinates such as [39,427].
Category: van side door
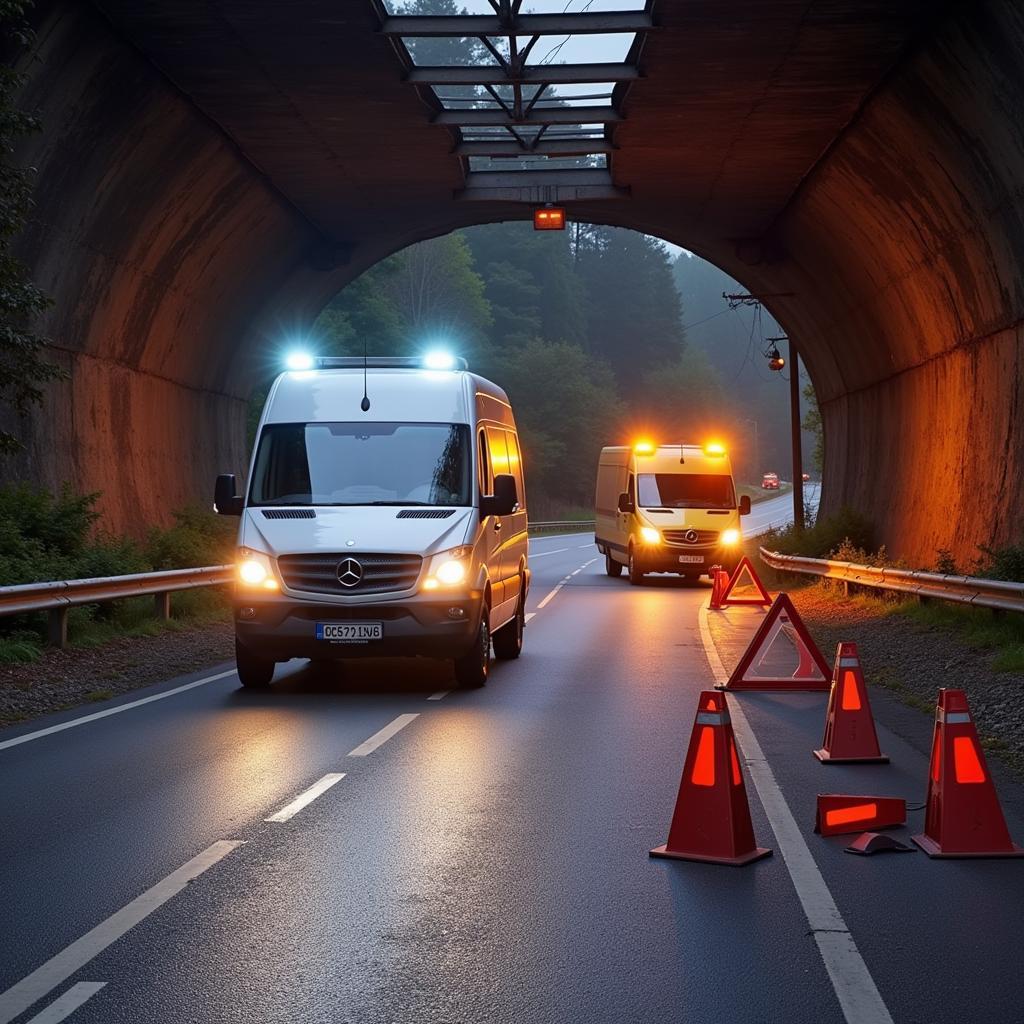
[517,542]
[503,587]
[490,526]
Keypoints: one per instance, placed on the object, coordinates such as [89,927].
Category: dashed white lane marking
[590,544]
[441,694]
[529,615]
[551,594]
[317,789]
[541,554]
[20,996]
[379,738]
[855,989]
[65,1005]
[561,583]
[50,730]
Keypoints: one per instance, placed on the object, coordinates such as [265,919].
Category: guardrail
[56,598]
[999,595]
[562,524]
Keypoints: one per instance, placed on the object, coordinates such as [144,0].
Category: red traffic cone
[719,581]
[849,727]
[711,821]
[963,818]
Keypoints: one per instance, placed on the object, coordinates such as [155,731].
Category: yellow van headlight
[649,535]
[448,568]
[730,537]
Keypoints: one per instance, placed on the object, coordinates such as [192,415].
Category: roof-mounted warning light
[644,448]
[714,448]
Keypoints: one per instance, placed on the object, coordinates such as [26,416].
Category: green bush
[1005,563]
[846,531]
[198,537]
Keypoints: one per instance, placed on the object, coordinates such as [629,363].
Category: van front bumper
[280,627]
[665,558]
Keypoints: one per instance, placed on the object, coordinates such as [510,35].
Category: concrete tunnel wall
[173,263]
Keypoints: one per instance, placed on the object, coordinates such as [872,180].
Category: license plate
[350,632]
[692,559]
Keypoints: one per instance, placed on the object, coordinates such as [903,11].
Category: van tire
[611,567]
[473,667]
[254,672]
[636,577]
[508,641]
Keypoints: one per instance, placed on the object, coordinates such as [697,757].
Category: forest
[586,330]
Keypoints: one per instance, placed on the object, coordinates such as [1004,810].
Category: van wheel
[473,667]
[254,672]
[636,577]
[611,567]
[508,641]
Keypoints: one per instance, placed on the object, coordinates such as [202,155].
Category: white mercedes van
[385,514]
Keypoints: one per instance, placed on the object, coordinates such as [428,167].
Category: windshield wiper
[396,502]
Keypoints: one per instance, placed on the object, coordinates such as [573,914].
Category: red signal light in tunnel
[549,218]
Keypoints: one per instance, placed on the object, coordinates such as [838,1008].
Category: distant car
[770,481]
[806,477]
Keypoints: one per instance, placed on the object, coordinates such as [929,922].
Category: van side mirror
[626,502]
[745,505]
[226,501]
[505,499]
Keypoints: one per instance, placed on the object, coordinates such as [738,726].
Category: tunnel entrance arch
[198,192]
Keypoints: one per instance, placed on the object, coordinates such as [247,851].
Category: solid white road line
[66,1004]
[378,738]
[50,730]
[855,989]
[20,996]
[440,695]
[290,810]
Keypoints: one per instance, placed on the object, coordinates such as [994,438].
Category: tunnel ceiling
[211,173]
[734,105]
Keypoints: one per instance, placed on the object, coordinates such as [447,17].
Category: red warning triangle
[781,655]
[751,580]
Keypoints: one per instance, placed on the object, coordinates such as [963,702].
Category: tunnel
[209,176]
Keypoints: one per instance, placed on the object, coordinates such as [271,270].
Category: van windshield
[363,464]
[685,490]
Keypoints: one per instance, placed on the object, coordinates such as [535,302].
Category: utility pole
[794,426]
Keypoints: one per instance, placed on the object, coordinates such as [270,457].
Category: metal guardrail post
[57,627]
[162,605]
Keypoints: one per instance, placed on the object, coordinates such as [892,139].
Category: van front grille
[704,537]
[362,573]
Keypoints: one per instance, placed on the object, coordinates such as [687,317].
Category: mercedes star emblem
[690,536]
[350,572]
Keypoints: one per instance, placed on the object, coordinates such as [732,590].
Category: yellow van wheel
[636,577]
[611,567]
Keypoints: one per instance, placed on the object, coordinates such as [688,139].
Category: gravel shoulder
[69,678]
[912,660]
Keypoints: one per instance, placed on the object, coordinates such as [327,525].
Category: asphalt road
[776,511]
[485,861]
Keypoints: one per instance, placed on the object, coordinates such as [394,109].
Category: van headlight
[254,570]
[448,568]
[649,535]
[730,537]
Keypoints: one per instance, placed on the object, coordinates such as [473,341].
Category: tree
[634,317]
[23,370]
[812,424]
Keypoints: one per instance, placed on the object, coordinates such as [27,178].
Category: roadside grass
[93,626]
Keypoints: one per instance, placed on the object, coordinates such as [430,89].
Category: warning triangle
[781,655]
[744,586]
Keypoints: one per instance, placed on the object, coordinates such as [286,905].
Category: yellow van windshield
[685,490]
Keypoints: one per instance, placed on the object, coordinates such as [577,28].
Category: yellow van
[667,508]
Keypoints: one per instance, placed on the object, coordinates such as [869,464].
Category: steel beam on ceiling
[545,147]
[419,26]
[538,187]
[543,74]
[544,115]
